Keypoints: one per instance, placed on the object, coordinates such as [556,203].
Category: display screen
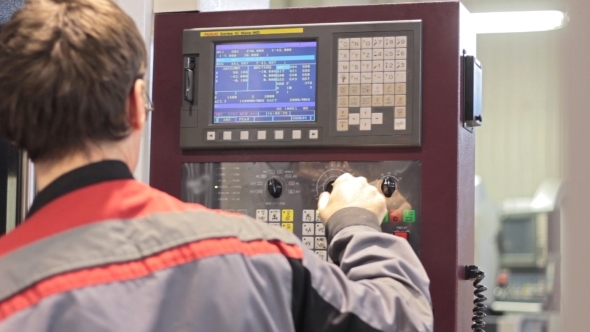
[265,82]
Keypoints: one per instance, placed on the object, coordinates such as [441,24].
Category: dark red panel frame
[447,151]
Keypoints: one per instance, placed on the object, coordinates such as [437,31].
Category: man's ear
[136,112]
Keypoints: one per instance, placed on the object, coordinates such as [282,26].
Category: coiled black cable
[473,272]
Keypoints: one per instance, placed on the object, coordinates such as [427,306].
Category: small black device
[473,92]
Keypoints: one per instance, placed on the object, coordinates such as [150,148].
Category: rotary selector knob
[388,186]
[275,187]
[329,186]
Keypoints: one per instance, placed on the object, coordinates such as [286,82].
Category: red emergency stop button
[395,216]
[402,234]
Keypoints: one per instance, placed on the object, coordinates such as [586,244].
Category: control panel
[354,84]
[285,194]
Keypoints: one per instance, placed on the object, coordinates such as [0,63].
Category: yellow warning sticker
[233,33]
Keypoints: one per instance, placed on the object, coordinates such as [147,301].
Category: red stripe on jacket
[139,268]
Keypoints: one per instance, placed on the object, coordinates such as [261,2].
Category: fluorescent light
[502,22]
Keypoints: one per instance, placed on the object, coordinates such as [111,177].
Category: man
[103,252]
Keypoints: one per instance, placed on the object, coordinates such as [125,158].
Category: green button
[409,216]
[386,218]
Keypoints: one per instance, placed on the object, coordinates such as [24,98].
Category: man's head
[71,78]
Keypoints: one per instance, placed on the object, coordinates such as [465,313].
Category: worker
[100,251]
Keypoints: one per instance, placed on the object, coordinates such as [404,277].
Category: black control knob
[275,187]
[388,186]
[329,186]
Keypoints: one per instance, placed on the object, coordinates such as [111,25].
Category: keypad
[372,77]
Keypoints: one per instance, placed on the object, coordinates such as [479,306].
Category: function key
[389,42]
[342,101]
[313,134]
[296,134]
[366,77]
[401,41]
[355,43]
[366,88]
[323,254]
[354,101]
[244,135]
[400,112]
[378,89]
[377,101]
[367,42]
[227,135]
[400,100]
[389,89]
[342,113]
[354,90]
[377,42]
[365,101]
[279,134]
[320,229]
[400,88]
[365,113]
[399,124]
[262,215]
[321,243]
[353,119]
[308,216]
[261,135]
[343,78]
[307,241]
[343,90]
[389,100]
[365,125]
[342,125]
[377,118]
[210,135]
[343,43]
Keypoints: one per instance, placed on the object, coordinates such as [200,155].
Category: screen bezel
[266,41]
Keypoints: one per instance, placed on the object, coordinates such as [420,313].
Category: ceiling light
[503,22]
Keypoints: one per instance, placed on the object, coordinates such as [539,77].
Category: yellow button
[288,226]
[287,215]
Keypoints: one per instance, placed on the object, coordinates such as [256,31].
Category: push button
[395,216]
[210,135]
[409,215]
[402,234]
[313,134]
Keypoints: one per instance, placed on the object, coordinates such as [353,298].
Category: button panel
[372,79]
[236,136]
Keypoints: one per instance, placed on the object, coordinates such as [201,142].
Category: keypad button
[244,135]
[401,41]
[400,100]
[322,254]
[321,243]
[354,78]
[343,43]
[399,124]
[261,134]
[274,215]
[343,90]
[227,135]
[389,42]
[367,54]
[365,125]
[400,53]
[288,215]
[355,55]
[377,54]
[400,65]
[377,42]
[366,88]
[320,229]
[296,134]
[343,55]
[400,77]
[389,100]
[308,216]
[377,77]
[366,42]
[308,229]
[354,101]
[377,66]
[262,215]
[378,89]
[287,226]
[342,125]
[354,89]
[365,113]
[377,118]
[366,66]
[355,66]
[389,54]
[353,119]
[400,112]
[308,242]
[355,43]
[377,101]
[342,101]
[389,65]
[389,89]
[343,113]
[279,134]
[389,77]
[365,101]
[343,78]
[314,134]
[210,135]
[366,77]
[400,88]
[343,67]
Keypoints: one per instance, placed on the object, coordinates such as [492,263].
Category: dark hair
[66,70]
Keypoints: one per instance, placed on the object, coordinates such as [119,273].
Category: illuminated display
[265,82]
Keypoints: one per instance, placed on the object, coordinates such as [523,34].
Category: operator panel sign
[265,82]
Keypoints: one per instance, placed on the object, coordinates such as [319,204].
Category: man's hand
[351,192]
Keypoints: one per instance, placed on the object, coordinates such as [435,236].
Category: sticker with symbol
[322,254]
[274,215]
[262,215]
[308,229]
[320,229]
[288,215]
[321,243]
[308,215]
[307,242]
[288,226]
